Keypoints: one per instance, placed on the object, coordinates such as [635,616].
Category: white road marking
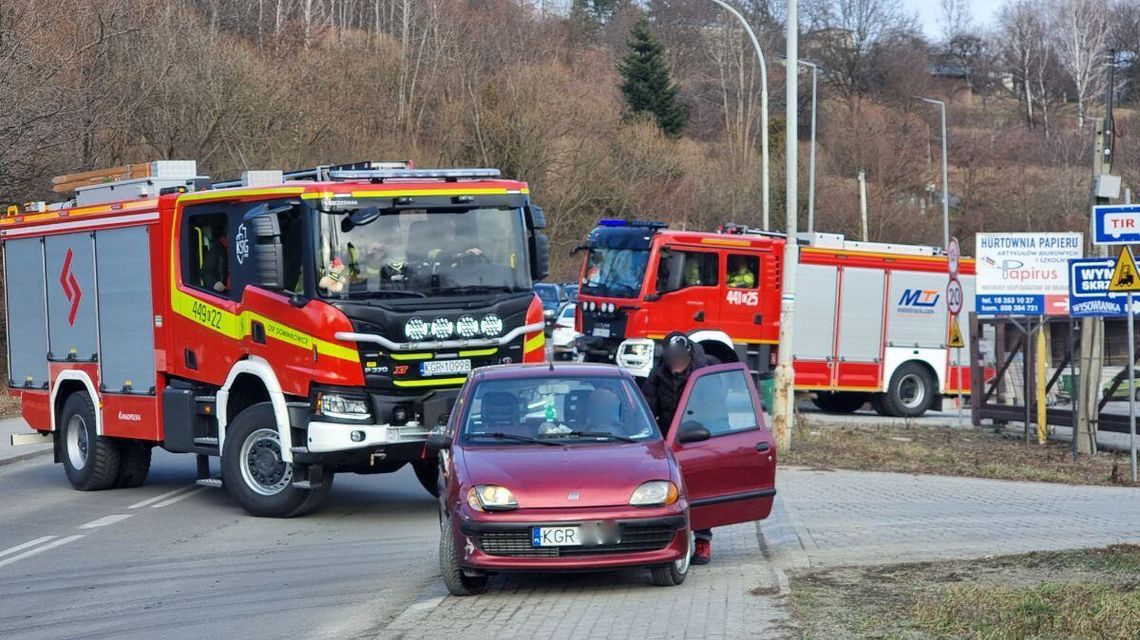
[21,547]
[170,501]
[163,496]
[41,549]
[106,520]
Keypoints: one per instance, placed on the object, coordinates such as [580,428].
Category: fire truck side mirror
[540,268]
[268,263]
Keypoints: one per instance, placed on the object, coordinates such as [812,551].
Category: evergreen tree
[646,83]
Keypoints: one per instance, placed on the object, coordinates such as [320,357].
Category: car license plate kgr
[445,367]
[601,332]
[555,537]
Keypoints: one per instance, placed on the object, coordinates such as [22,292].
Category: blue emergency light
[618,222]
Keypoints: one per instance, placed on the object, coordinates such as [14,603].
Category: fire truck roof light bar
[618,222]
[349,336]
[399,174]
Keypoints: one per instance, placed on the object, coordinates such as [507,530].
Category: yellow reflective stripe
[727,242]
[537,342]
[237,326]
[428,382]
[64,214]
[229,194]
[410,356]
[476,353]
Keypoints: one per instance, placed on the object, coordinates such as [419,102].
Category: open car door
[726,452]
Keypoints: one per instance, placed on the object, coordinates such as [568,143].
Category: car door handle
[763,446]
[700,317]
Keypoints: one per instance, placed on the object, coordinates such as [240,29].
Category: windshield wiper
[594,434]
[477,288]
[499,435]
[393,293]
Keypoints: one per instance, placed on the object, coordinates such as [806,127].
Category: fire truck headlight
[342,407]
[416,329]
[491,325]
[467,327]
[442,328]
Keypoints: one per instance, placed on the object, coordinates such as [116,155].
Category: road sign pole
[1131,388]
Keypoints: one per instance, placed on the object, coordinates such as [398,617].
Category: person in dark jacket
[663,389]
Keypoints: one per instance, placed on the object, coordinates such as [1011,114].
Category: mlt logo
[919,300]
[70,287]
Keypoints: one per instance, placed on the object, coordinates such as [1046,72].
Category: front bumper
[327,437]
[614,538]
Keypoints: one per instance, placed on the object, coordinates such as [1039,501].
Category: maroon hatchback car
[563,469]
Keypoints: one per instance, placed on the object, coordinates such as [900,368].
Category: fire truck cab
[871,318]
[295,325]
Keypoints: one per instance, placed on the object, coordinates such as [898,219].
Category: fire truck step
[300,449]
[215,483]
[302,484]
[206,442]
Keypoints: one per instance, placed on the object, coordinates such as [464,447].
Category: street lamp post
[945,180]
[811,151]
[763,108]
[784,400]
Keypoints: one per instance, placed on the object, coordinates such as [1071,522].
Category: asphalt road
[172,560]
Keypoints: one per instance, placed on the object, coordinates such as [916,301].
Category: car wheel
[134,464]
[427,472]
[674,573]
[255,474]
[911,392]
[91,461]
[839,402]
[458,583]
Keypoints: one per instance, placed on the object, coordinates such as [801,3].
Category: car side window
[205,252]
[722,403]
[698,269]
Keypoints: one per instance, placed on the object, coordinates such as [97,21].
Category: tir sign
[1116,224]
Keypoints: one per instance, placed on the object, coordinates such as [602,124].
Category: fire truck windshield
[420,253]
[614,271]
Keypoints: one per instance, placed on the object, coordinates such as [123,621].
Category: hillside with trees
[607,107]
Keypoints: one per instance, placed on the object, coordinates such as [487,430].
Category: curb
[23,456]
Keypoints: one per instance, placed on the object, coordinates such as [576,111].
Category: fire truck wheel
[879,404]
[427,472]
[839,402]
[134,464]
[255,475]
[911,392]
[91,461]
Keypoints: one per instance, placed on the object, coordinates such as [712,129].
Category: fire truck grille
[517,544]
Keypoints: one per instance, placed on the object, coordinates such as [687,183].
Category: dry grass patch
[947,451]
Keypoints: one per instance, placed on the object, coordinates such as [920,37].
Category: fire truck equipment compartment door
[815,312]
[916,310]
[126,324]
[27,325]
[71,297]
[861,315]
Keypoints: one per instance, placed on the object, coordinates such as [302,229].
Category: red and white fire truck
[871,318]
[295,325]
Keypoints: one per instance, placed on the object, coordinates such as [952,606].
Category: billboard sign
[1024,274]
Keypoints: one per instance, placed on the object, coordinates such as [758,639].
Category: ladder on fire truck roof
[837,241]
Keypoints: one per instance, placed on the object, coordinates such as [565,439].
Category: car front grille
[517,543]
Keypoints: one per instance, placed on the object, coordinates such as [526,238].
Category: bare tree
[955,19]
[1079,34]
[843,35]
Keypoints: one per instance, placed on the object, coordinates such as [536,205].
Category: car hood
[544,477]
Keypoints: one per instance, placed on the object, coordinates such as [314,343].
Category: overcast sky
[929,13]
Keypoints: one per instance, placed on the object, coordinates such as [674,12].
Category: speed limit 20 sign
[954,296]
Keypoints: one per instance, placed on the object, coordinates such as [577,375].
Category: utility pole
[811,152]
[945,172]
[863,204]
[764,184]
[785,400]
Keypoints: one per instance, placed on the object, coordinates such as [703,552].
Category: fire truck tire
[134,464]
[839,402]
[253,471]
[912,391]
[427,472]
[878,403]
[91,461]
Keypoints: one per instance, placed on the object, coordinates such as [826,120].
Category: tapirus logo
[919,300]
[70,287]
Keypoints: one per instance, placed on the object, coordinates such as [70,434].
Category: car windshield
[614,272]
[419,253]
[562,409]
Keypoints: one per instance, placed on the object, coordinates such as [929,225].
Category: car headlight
[491,325]
[467,327]
[416,329]
[441,328]
[491,497]
[654,492]
[338,407]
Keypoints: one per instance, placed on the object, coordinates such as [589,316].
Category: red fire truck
[296,325]
[871,318]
